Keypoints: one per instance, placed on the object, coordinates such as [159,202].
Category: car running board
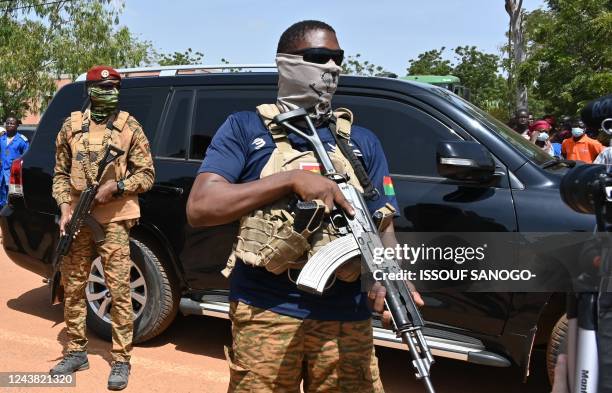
[442,344]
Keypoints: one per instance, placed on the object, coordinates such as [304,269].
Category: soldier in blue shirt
[12,146]
[281,335]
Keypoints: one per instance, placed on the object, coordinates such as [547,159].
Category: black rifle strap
[369,191]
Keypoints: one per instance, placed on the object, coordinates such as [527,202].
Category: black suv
[178,267]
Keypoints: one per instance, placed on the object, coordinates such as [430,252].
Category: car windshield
[528,149]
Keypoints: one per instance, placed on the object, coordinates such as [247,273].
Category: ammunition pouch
[268,240]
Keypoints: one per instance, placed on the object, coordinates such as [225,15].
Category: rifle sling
[369,191]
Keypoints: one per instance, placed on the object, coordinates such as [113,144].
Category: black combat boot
[118,378]
[72,361]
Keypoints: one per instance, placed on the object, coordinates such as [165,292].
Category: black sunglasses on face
[106,85]
[321,55]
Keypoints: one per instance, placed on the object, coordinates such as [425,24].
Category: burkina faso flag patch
[311,167]
[388,186]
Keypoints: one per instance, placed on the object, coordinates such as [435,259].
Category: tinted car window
[171,142]
[214,106]
[528,149]
[408,135]
[68,99]
[146,105]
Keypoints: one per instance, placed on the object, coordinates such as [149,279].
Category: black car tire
[162,301]
[555,345]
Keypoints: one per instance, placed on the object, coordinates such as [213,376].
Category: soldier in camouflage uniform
[80,145]
[284,338]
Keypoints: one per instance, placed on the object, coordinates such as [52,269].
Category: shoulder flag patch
[388,186]
[311,167]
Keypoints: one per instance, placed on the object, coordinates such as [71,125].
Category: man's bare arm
[215,201]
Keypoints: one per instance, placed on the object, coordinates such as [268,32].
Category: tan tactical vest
[266,237]
[124,207]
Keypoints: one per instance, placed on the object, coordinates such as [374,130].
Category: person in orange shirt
[580,147]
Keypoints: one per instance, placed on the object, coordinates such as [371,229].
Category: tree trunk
[514,8]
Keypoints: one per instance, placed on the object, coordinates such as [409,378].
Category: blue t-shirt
[238,152]
[556,149]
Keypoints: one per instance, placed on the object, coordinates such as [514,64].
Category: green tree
[180,58]
[353,65]
[52,38]
[430,63]
[89,34]
[22,83]
[479,71]
[569,56]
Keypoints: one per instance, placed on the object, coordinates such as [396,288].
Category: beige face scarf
[306,85]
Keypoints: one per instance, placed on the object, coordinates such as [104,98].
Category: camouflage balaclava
[103,102]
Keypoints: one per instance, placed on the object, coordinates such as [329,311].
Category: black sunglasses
[106,85]
[321,55]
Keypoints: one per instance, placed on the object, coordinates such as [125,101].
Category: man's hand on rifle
[106,191]
[66,215]
[310,186]
[377,301]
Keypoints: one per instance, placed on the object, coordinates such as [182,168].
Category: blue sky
[386,32]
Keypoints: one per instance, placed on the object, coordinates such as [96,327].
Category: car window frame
[164,107]
[164,120]
[501,169]
[242,88]
[454,127]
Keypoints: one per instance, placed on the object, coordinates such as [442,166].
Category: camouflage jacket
[140,169]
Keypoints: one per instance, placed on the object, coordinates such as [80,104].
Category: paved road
[188,357]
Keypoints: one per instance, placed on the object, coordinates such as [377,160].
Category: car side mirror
[465,161]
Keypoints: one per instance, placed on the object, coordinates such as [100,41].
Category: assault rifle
[80,216]
[361,238]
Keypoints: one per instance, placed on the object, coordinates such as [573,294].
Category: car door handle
[167,190]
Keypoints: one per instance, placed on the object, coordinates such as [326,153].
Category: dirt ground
[188,357]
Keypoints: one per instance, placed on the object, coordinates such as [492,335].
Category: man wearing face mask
[580,147]
[541,137]
[251,171]
[80,145]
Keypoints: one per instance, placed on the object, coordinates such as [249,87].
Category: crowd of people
[567,139]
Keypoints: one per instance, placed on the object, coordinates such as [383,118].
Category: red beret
[102,73]
[541,125]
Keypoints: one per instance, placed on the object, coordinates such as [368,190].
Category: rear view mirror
[465,161]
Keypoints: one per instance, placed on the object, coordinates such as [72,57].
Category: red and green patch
[388,186]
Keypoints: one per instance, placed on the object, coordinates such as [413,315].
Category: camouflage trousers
[115,257]
[276,353]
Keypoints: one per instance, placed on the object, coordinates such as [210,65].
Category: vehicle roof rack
[185,70]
